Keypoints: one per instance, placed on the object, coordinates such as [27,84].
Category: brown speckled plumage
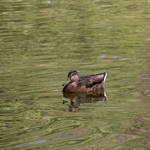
[76,84]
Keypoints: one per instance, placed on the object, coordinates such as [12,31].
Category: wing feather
[91,80]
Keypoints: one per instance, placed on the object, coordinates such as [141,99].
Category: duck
[83,84]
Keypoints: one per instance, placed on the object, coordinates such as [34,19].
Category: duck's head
[72,77]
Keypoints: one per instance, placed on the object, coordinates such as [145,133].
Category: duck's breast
[70,88]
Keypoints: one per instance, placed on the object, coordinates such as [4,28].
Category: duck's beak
[66,82]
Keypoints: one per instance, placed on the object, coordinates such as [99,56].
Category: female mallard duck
[90,83]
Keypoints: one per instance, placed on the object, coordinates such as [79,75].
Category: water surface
[41,41]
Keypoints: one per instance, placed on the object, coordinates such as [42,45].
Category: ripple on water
[59,137]
[124,59]
[114,56]
[63,136]
[102,56]
[34,142]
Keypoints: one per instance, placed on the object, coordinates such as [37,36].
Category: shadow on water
[76,99]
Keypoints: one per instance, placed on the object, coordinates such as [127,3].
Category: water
[41,41]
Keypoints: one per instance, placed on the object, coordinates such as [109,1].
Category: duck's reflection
[76,99]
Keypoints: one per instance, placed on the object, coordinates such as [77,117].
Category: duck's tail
[105,75]
[104,78]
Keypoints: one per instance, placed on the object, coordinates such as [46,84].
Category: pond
[41,41]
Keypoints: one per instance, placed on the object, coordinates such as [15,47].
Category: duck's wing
[91,80]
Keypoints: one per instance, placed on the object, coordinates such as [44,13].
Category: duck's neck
[75,84]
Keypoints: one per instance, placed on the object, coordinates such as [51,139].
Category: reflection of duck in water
[78,98]
[76,84]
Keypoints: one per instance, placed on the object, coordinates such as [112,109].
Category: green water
[41,41]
